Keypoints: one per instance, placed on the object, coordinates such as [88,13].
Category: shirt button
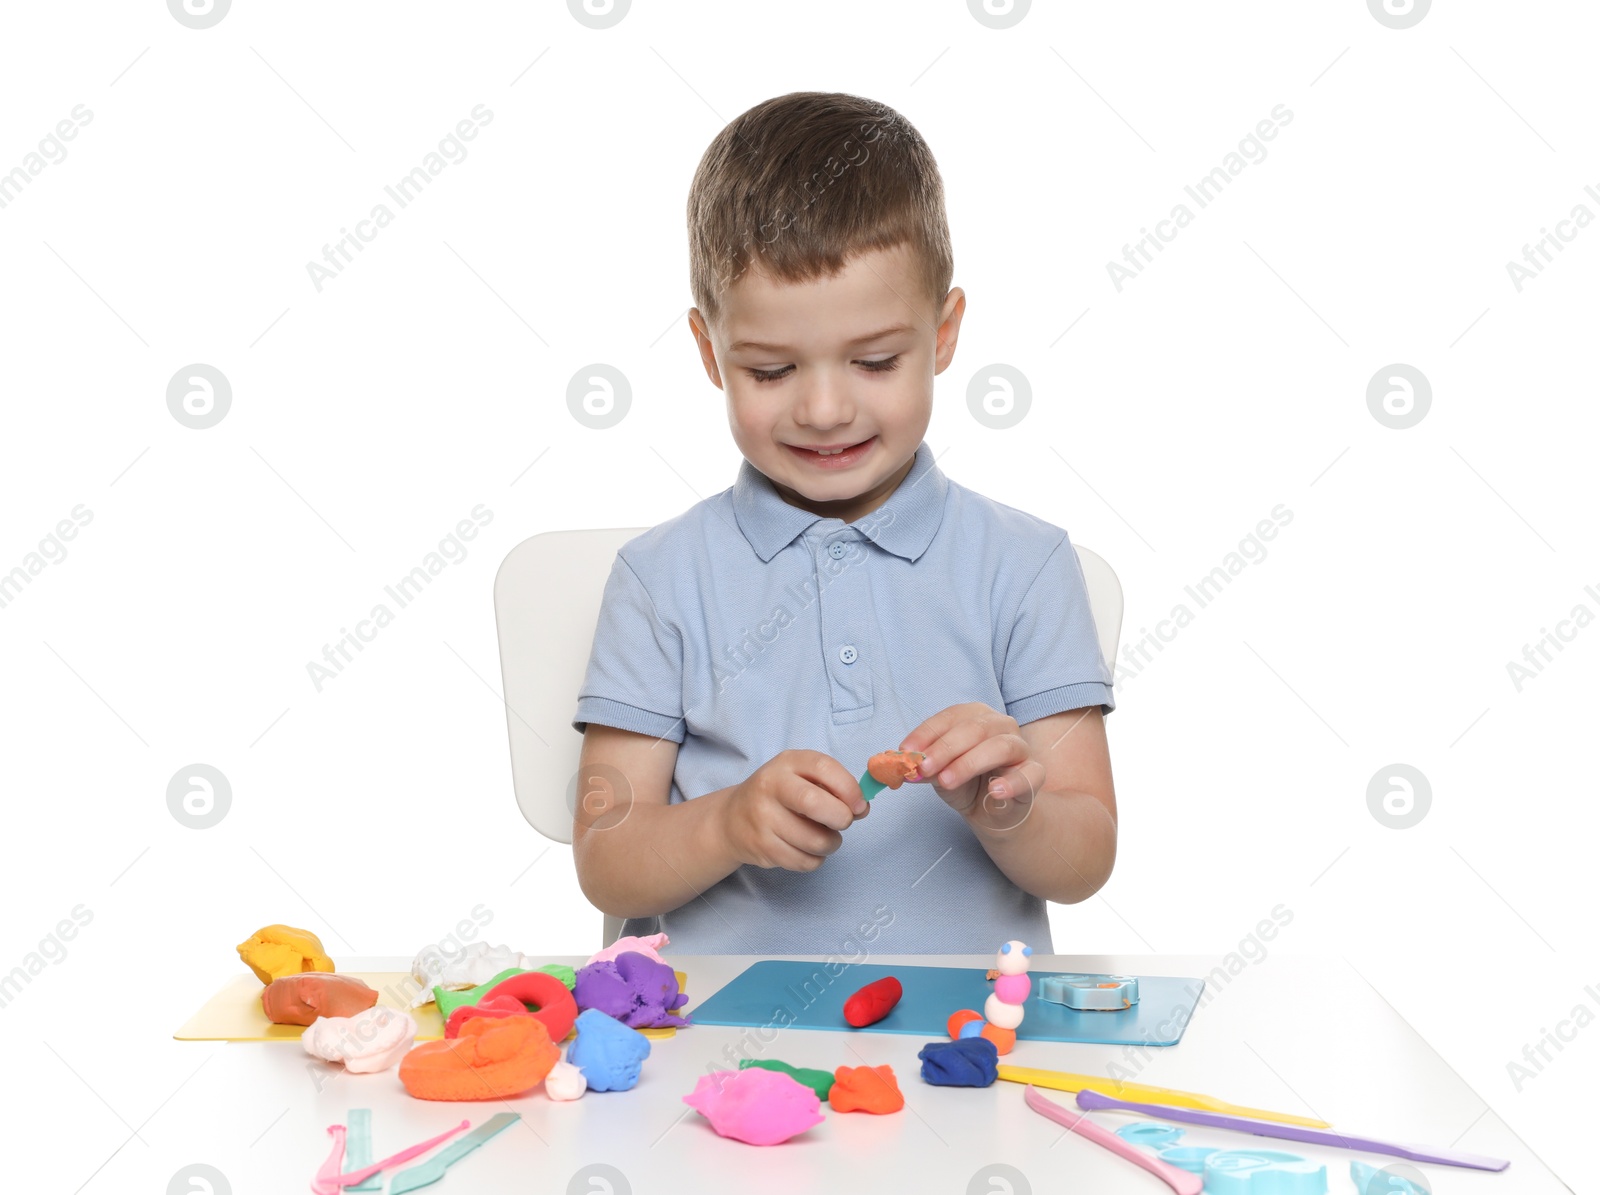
[836,550]
[847,653]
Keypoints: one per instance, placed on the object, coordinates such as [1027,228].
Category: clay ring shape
[553,1005]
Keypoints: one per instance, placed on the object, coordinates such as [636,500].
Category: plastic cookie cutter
[1263,1172]
[1150,1134]
[1104,993]
[889,769]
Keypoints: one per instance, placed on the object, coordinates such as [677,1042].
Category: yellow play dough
[276,951]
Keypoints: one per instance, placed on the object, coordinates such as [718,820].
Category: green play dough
[448,1002]
[820,1082]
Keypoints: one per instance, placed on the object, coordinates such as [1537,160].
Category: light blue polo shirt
[745,627]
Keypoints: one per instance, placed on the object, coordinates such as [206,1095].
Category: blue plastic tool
[801,995]
[1187,1157]
[1149,1133]
[358,1148]
[1096,992]
[1263,1172]
[433,1169]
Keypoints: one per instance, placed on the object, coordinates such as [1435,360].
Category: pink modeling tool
[329,1180]
[1290,1132]
[1181,1181]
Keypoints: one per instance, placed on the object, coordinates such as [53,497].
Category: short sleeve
[635,676]
[1053,661]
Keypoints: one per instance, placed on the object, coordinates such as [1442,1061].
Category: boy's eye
[882,365]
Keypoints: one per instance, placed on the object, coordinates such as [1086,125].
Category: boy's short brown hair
[799,184]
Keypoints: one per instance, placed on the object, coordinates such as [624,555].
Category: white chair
[546,607]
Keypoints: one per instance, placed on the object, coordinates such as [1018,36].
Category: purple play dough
[633,988]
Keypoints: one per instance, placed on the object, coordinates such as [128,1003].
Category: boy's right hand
[791,810]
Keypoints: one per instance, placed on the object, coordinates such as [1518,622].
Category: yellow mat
[234,1013]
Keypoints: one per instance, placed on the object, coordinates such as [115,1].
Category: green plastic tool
[433,1169]
[358,1148]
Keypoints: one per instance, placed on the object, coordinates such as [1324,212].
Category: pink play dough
[647,946]
[373,1040]
[1013,989]
[757,1105]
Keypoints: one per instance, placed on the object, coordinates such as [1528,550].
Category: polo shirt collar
[904,525]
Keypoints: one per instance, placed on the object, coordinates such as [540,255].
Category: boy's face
[847,360]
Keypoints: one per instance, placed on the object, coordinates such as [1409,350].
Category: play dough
[274,951]
[969,1062]
[449,1001]
[301,998]
[865,1089]
[528,993]
[889,769]
[873,1002]
[373,1040]
[820,1082]
[966,1023]
[758,1106]
[633,988]
[608,1052]
[1004,1007]
[649,946]
[565,1082]
[494,1058]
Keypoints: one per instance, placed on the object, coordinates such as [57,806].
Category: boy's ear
[702,339]
[950,313]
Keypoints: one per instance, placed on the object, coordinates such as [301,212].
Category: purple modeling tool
[1093,1100]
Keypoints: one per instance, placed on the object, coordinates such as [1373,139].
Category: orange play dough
[1003,1039]
[494,1058]
[865,1089]
[894,768]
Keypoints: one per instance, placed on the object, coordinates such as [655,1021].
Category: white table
[1306,1037]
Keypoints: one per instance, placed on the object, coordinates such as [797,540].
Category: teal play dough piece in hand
[607,1052]
[819,1081]
[968,1062]
[448,1001]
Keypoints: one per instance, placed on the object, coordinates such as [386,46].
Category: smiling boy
[754,651]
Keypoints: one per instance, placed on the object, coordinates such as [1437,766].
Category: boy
[843,598]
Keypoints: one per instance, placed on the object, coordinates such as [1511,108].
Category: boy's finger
[816,804]
[835,779]
[808,837]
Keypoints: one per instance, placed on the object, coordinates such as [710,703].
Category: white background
[430,376]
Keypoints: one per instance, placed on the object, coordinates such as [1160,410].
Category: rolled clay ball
[968,1062]
[565,1082]
[370,1041]
[756,1105]
[301,999]
[609,1052]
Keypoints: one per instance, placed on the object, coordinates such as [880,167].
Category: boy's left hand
[971,749]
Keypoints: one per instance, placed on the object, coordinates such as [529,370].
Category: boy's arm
[1062,844]
[637,855]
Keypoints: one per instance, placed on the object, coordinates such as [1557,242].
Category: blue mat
[779,994]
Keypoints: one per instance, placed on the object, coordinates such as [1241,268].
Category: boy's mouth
[834,460]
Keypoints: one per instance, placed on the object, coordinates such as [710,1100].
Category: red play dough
[557,1010]
[873,1002]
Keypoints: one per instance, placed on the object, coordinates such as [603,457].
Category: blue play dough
[607,1051]
[968,1062]
[972,1029]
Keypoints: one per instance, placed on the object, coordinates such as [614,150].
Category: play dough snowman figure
[1003,1008]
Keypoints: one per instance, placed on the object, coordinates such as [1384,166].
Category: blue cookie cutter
[1263,1172]
[1102,993]
[1150,1133]
[1369,1180]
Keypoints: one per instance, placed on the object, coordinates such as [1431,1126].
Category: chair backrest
[547,604]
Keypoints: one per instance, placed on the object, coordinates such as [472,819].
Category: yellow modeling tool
[1139,1092]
